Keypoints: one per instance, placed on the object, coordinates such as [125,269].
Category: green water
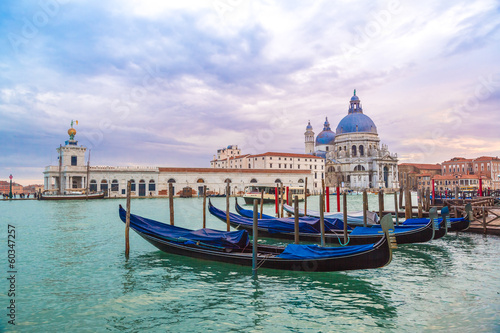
[72,276]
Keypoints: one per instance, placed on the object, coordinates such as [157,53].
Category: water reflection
[180,284]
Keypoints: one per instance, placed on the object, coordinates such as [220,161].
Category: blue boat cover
[230,240]
[308,225]
[426,220]
[295,251]
[249,214]
[377,229]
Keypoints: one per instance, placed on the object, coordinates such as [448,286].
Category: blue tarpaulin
[308,225]
[232,239]
[295,251]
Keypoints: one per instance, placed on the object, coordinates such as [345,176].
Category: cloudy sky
[166,83]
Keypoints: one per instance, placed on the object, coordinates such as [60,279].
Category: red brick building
[412,173]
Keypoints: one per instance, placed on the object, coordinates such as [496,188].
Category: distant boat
[234,247]
[74,194]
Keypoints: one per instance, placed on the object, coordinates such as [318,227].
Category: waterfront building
[417,175]
[463,182]
[485,166]
[72,173]
[355,159]
[231,158]
[5,187]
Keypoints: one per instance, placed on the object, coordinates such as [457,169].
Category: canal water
[72,276]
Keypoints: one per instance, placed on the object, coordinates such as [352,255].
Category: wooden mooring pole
[171,202]
[296,219]
[396,207]
[365,208]
[282,199]
[305,199]
[344,197]
[322,219]
[127,221]
[261,203]
[227,207]
[381,203]
[255,231]
[419,200]
[204,206]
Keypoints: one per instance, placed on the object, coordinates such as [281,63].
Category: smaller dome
[71,131]
[327,136]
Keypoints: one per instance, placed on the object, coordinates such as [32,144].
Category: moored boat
[70,195]
[309,229]
[234,247]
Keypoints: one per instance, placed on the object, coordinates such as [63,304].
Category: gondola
[234,247]
[439,227]
[353,218]
[309,229]
[453,224]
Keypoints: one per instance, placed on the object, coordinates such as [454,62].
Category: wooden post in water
[396,207]
[127,221]
[204,206]
[261,202]
[365,208]
[255,231]
[227,207]
[322,219]
[484,222]
[171,202]
[282,198]
[456,192]
[296,217]
[381,202]
[344,197]
[428,199]
[305,199]
[338,199]
[276,198]
[407,204]
[401,190]
[419,200]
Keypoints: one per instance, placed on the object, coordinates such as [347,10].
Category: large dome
[356,122]
[326,137]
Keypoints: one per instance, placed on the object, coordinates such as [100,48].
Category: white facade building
[288,169]
[276,162]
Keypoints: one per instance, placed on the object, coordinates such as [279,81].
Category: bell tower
[309,139]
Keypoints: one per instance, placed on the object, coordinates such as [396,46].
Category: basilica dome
[356,120]
[326,137]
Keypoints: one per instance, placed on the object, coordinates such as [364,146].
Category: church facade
[355,158]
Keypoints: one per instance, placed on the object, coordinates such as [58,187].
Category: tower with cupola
[309,139]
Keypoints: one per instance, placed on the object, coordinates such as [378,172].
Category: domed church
[355,158]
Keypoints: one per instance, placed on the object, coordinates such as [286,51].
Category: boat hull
[72,197]
[377,257]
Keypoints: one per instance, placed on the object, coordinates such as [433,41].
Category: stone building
[355,159]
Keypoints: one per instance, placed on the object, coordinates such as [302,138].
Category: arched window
[353,150]
[93,186]
[361,150]
[253,180]
[301,181]
[104,185]
[348,178]
[227,180]
[171,180]
[277,180]
[114,185]
[359,168]
[200,180]
[132,185]
[152,185]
